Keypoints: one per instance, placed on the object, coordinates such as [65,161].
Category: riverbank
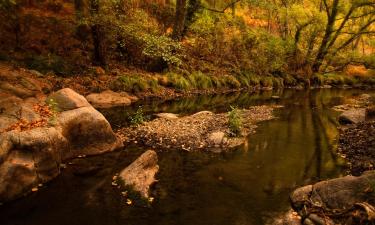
[173,85]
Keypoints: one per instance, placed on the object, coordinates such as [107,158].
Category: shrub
[138,117]
[234,122]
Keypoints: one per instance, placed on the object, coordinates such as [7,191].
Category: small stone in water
[40,185]
[129,202]
[114,184]
[114,177]
[34,189]
[124,193]
[150,199]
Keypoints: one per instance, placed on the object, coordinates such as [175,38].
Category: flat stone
[353,116]
[108,99]
[167,115]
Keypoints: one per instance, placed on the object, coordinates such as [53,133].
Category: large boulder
[29,158]
[87,131]
[32,154]
[140,175]
[353,116]
[108,99]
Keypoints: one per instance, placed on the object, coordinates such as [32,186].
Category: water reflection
[242,187]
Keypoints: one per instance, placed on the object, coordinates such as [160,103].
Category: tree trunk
[322,52]
[180,18]
[99,57]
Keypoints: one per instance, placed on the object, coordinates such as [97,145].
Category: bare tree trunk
[180,17]
[98,37]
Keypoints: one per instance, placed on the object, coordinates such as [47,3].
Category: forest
[187,112]
[222,44]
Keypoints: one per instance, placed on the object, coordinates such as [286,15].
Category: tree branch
[223,10]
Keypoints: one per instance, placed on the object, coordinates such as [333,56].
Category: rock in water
[108,99]
[339,193]
[353,116]
[140,175]
[167,115]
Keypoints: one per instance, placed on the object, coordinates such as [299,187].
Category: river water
[248,186]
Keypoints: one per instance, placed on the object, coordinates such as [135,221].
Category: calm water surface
[247,186]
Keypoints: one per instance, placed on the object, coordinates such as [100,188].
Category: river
[248,186]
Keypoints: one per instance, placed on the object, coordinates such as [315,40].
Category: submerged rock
[140,175]
[353,116]
[108,99]
[32,148]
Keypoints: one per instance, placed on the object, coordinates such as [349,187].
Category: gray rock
[108,99]
[140,175]
[68,99]
[353,116]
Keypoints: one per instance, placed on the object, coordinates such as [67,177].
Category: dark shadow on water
[247,186]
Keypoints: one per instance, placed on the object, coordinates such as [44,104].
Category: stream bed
[248,186]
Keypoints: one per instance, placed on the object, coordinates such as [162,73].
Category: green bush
[162,47]
[234,122]
[138,117]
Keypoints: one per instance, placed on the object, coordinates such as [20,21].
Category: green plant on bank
[53,106]
[234,122]
[137,83]
[138,117]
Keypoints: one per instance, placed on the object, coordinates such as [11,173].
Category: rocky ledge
[38,133]
[201,131]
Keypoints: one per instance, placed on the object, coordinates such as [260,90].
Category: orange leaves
[43,110]
[23,125]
